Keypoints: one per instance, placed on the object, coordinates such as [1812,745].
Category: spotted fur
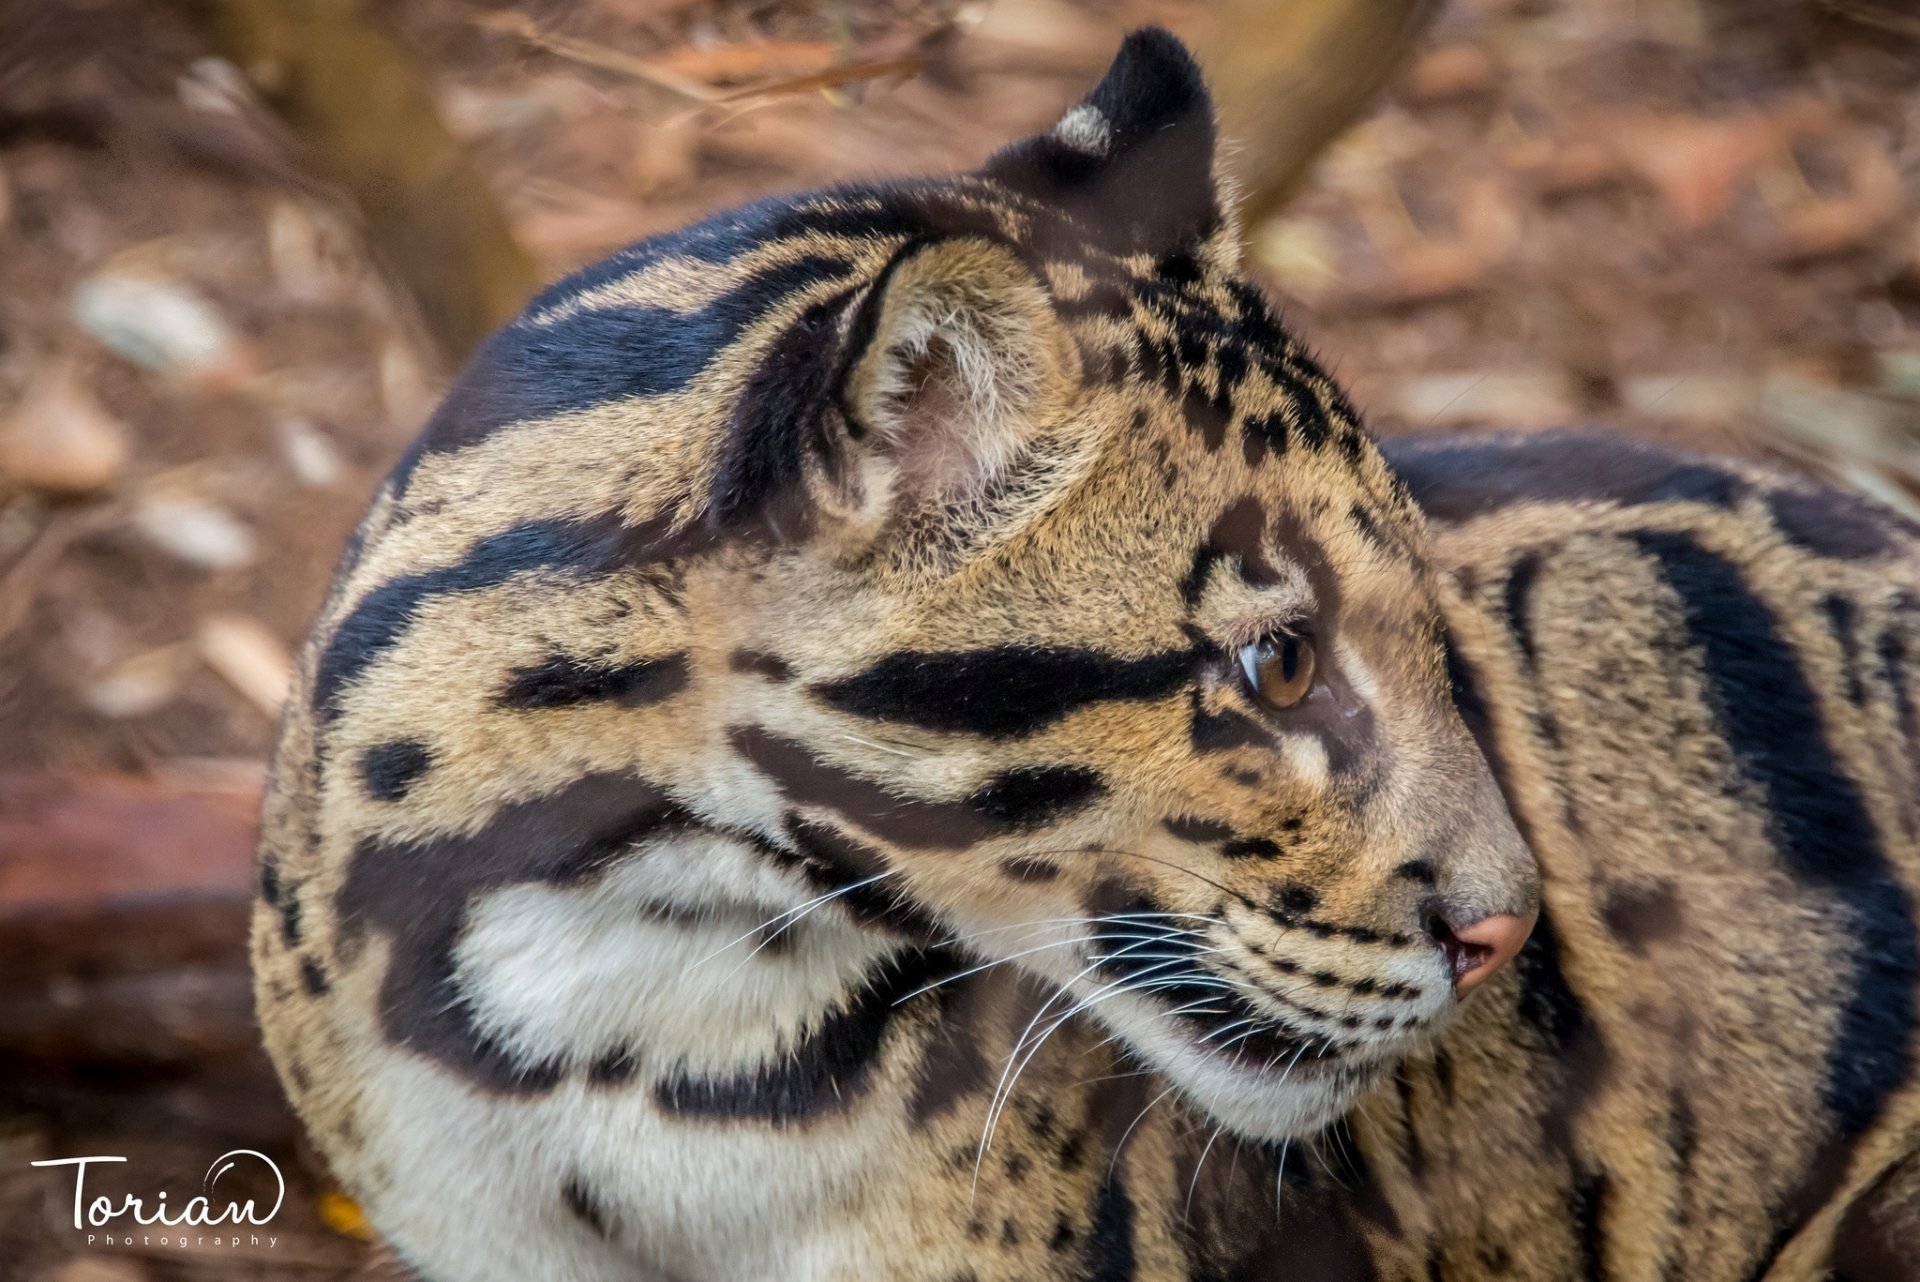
[772,794]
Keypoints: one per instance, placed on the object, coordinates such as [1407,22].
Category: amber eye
[1279,669]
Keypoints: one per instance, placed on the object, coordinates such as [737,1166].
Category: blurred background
[244,242]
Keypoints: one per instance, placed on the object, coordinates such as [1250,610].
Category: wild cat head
[986,549]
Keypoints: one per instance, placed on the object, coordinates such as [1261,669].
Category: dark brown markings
[1875,1240]
[1767,710]
[952,1066]
[1017,800]
[833,861]
[1251,848]
[580,1203]
[827,1069]
[1831,524]
[615,1068]
[562,681]
[759,663]
[1840,622]
[313,978]
[1892,651]
[1029,797]
[1295,899]
[1642,916]
[1241,532]
[1199,831]
[1418,871]
[1207,414]
[1002,692]
[419,892]
[388,770]
[573,548]
[284,899]
[1225,729]
[807,780]
[1261,435]
[1369,527]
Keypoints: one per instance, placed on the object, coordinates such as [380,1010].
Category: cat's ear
[1134,163]
[918,392]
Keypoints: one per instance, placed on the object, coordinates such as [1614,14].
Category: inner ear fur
[963,363]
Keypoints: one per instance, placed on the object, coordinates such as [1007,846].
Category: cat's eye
[1279,669]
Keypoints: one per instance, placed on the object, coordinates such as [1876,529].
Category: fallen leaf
[343,1215]
[249,657]
[309,453]
[60,439]
[137,686]
[1453,71]
[196,531]
[161,324]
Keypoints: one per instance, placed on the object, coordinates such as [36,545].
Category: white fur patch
[1085,129]
[574,973]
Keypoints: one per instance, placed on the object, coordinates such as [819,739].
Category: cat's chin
[1264,1097]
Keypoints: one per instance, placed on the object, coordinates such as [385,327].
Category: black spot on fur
[1002,692]
[1587,1212]
[313,978]
[1840,621]
[1418,871]
[614,1068]
[1294,899]
[1259,436]
[1199,831]
[1110,1254]
[760,664]
[1194,585]
[1771,719]
[1028,797]
[828,1068]
[563,681]
[389,769]
[1642,916]
[579,1201]
[1829,523]
[1251,848]
[1206,414]
[1224,730]
[1519,599]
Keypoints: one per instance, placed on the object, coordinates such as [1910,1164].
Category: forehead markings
[1002,692]
[1016,800]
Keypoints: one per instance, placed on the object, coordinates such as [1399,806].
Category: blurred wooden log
[366,111]
[1290,75]
[123,914]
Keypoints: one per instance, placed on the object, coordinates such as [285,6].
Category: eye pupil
[1279,670]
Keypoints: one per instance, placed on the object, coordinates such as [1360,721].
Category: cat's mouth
[1268,1063]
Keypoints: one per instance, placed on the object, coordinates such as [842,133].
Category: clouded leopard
[905,732]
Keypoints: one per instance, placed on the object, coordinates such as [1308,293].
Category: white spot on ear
[1085,129]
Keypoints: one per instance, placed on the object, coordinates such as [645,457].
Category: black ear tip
[1153,82]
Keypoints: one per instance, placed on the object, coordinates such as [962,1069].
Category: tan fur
[674,868]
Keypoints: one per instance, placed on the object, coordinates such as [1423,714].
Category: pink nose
[1478,949]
